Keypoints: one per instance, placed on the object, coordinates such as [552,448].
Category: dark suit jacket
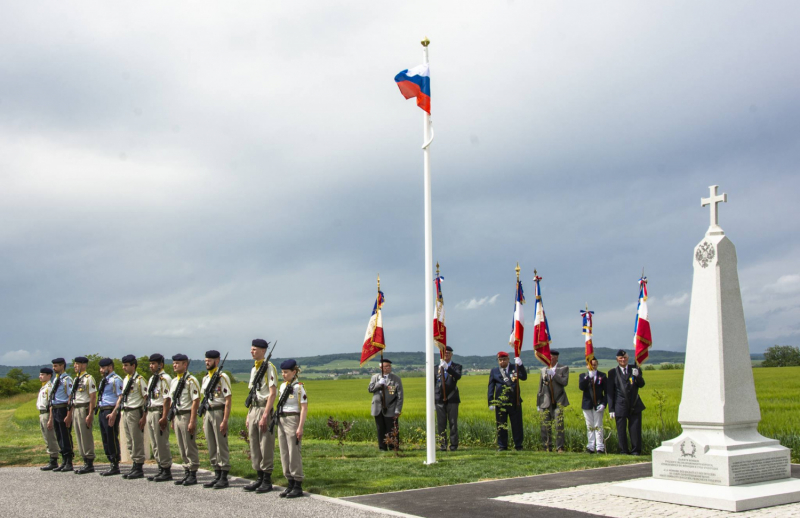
[497,385]
[594,394]
[450,384]
[624,402]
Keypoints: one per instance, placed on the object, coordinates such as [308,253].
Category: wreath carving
[691,453]
[705,254]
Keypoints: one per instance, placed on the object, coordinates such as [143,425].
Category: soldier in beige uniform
[157,406]
[217,403]
[134,391]
[292,410]
[43,405]
[83,401]
[185,396]
[263,387]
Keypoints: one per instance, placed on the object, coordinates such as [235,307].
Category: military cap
[105,362]
[212,354]
[180,358]
[46,370]
[553,353]
[288,365]
[386,360]
[129,358]
[58,360]
[502,354]
[81,359]
[157,358]
[448,348]
[260,343]
[621,352]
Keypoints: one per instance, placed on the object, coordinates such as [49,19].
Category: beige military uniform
[134,410]
[187,443]
[217,441]
[80,411]
[49,436]
[262,443]
[291,459]
[159,439]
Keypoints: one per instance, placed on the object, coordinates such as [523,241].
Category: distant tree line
[782,356]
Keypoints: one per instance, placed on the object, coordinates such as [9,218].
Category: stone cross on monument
[720,461]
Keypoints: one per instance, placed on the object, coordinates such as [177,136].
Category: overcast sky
[176,177]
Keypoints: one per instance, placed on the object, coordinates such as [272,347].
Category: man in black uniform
[447,400]
[504,400]
[624,403]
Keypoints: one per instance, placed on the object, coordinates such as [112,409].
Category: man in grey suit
[551,401]
[387,401]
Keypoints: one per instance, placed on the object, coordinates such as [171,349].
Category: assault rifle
[53,393]
[173,409]
[127,391]
[262,371]
[208,395]
[282,401]
[152,388]
[75,388]
[100,394]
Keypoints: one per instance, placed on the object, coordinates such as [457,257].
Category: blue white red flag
[374,341]
[642,339]
[416,83]
[541,331]
[587,333]
[439,329]
[518,322]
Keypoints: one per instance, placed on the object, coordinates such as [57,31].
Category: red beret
[502,354]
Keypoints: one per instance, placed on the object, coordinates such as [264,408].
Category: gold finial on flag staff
[437,268]
[587,307]
[517,270]
[425,42]
[535,273]
[379,282]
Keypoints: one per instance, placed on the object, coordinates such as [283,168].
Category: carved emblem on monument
[705,253]
[692,446]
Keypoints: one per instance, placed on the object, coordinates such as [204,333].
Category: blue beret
[46,370]
[129,358]
[212,354]
[554,353]
[81,359]
[105,362]
[448,348]
[262,344]
[157,358]
[58,360]
[621,352]
[288,365]
[180,358]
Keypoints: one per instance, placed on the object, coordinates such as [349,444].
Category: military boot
[136,471]
[296,491]
[112,470]
[212,483]
[289,487]
[192,480]
[266,484]
[222,483]
[166,474]
[67,464]
[60,467]
[51,464]
[252,486]
[151,478]
[184,479]
[88,467]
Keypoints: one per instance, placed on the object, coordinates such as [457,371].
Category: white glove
[491,407]
[552,372]
[538,409]
[442,364]
[600,408]
[635,372]
[381,381]
[518,360]
[611,414]
[396,412]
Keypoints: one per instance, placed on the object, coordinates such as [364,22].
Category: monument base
[725,498]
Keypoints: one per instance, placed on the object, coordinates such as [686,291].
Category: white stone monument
[720,461]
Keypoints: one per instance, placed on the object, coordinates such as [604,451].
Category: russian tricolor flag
[416,82]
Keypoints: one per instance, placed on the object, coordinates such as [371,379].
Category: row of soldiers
[162,403]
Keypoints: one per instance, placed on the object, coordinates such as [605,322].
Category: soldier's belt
[183,412]
[41,412]
[288,414]
[129,409]
[216,408]
[155,409]
[107,407]
[60,405]
[81,405]
[259,404]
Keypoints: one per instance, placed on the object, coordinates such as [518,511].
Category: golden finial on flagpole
[642,272]
[379,282]
[517,270]
[587,307]
[425,42]
[437,268]
[535,273]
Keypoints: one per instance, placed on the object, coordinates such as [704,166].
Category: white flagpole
[429,366]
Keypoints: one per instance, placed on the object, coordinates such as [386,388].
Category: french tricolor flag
[374,341]
[642,338]
[416,82]
[541,330]
[518,323]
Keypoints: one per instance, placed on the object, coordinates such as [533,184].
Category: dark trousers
[385,425]
[503,415]
[633,425]
[63,432]
[553,416]
[110,435]
[447,414]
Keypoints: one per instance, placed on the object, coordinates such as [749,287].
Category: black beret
[180,358]
[288,365]
[386,360]
[212,354]
[46,370]
[157,358]
[554,353]
[81,359]
[621,352]
[58,360]
[129,358]
[258,342]
[105,362]
[448,348]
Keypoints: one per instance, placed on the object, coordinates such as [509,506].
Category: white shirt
[222,390]
[44,396]
[161,390]
[191,391]
[295,399]
[87,387]
[138,391]
[269,380]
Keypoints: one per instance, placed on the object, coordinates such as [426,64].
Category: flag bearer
[59,399]
[82,413]
[505,401]
[42,403]
[263,384]
[292,410]
[134,391]
[110,392]
[158,403]
[215,422]
[185,395]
